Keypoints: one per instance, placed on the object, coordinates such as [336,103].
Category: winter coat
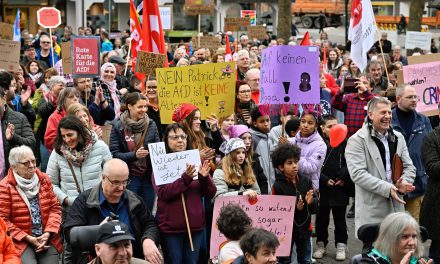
[88,175]
[15,212]
[224,189]
[429,216]
[170,215]
[376,257]
[56,58]
[335,168]
[86,211]
[26,110]
[313,151]
[52,128]
[421,127]
[8,252]
[366,168]
[99,114]
[44,110]
[259,174]
[261,144]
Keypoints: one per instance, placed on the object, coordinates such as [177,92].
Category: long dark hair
[73,123]
[174,127]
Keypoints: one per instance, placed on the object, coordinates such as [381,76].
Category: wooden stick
[51,47]
[198,33]
[187,222]
[128,57]
[383,57]
[283,124]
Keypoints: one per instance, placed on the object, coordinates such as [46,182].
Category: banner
[425,78]
[211,87]
[9,55]
[274,213]
[235,23]
[418,40]
[252,14]
[66,52]
[85,57]
[258,32]
[169,167]
[148,62]
[290,75]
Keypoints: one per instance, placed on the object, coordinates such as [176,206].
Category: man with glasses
[414,127]
[111,199]
[252,77]
[45,52]
[242,64]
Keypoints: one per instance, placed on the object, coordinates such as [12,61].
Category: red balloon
[338,133]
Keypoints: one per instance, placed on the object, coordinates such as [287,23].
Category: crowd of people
[75,153]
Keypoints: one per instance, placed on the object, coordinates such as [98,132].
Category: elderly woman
[75,165]
[398,242]
[30,209]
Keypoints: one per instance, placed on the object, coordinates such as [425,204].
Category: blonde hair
[75,108]
[235,174]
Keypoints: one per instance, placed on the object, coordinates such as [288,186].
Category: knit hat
[183,111]
[231,145]
[236,131]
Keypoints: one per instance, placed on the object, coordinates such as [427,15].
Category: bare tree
[284,19]
[415,14]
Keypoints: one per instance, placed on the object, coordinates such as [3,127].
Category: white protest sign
[418,40]
[169,167]
[166,16]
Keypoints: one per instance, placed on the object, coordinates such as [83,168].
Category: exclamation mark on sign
[206,99]
[286,90]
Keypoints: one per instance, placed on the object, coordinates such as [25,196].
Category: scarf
[136,127]
[77,157]
[35,76]
[112,88]
[29,187]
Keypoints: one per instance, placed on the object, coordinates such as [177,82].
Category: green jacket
[377,257]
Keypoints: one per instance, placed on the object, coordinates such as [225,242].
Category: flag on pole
[17,30]
[324,61]
[306,40]
[362,31]
[136,39]
[228,52]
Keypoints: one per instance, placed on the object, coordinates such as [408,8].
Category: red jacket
[16,213]
[331,83]
[52,128]
[8,253]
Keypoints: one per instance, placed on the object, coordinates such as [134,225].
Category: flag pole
[383,56]
[128,57]
[198,32]
[51,47]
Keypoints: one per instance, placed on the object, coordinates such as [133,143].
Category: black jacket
[259,174]
[86,211]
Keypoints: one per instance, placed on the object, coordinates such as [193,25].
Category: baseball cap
[113,231]
[29,46]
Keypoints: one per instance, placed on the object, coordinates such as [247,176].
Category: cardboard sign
[85,57]
[169,167]
[66,53]
[198,7]
[425,78]
[290,75]
[6,31]
[148,62]
[166,14]
[210,87]
[235,23]
[274,213]
[416,39]
[423,58]
[210,42]
[258,32]
[252,14]
[9,55]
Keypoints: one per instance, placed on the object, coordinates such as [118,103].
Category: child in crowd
[288,181]
[258,246]
[233,223]
[292,126]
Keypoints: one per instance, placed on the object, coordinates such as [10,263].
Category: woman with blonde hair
[82,113]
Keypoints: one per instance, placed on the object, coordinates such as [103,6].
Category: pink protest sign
[85,57]
[425,78]
[272,212]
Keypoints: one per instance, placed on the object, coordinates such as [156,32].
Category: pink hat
[237,130]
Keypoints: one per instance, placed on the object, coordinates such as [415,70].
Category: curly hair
[233,222]
[284,152]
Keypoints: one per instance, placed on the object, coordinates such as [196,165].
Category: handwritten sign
[198,7]
[169,167]
[258,32]
[85,57]
[235,23]
[274,213]
[416,39]
[210,87]
[166,15]
[252,14]
[210,42]
[290,74]
[148,62]
[9,55]
[425,78]
[67,57]
[6,31]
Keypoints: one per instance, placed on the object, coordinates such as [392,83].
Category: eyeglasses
[45,42]
[245,91]
[118,183]
[28,163]
[177,137]
[255,80]
[416,97]
[152,87]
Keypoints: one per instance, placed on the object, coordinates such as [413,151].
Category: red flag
[136,39]
[153,37]
[228,52]
[306,40]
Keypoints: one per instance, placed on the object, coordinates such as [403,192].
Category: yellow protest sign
[211,87]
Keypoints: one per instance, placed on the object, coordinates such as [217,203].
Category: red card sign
[49,17]
[85,57]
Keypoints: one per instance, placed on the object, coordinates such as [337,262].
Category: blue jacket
[420,128]
[56,58]
[106,46]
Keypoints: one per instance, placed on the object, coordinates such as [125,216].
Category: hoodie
[261,145]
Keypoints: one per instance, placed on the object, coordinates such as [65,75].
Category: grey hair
[64,94]
[118,162]
[177,50]
[372,104]
[56,80]
[400,90]
[16,154]
[391,231]
[250,71]
[242,53]
[374,63]
[182,60]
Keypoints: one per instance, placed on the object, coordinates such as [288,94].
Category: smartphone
[350,85]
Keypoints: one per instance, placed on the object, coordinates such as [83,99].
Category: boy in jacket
[288,182]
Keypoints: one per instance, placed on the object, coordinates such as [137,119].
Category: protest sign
[290,75]
[6,31]
[210,42]
[425,78]
[198,7]
[423,58]
[274,213]
[258,32]
[67,57]
[148,62]
[416,39]
[9,55]
[166,16]
[235,23]
[169,167]
[252,14]
[85,57]
[210,87]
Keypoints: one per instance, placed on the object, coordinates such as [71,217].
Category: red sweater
[17,216]
[52,128]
